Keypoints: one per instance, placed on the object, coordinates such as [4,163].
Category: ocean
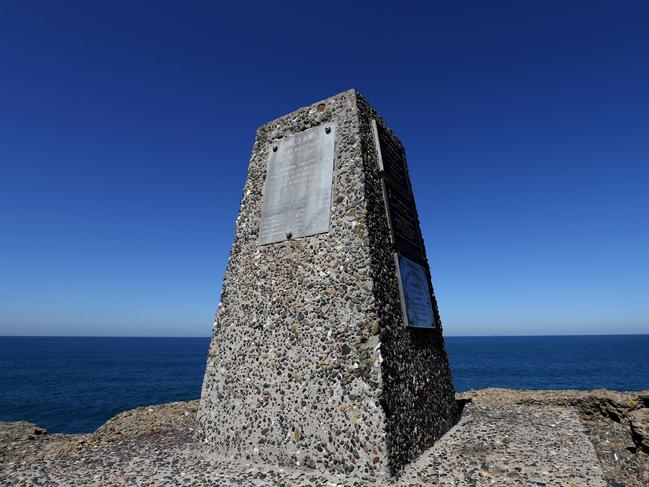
[73,385]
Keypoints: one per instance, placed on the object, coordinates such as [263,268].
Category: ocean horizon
[74,384]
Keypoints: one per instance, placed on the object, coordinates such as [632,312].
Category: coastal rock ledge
[504,437]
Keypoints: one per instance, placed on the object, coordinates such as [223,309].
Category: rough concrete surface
[310,362]
[501,439]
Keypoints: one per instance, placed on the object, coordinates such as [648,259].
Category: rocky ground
[505,437]
[617,424]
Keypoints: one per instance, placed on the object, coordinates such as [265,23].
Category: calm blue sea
[73,385]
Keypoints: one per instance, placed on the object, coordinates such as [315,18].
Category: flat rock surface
[498,441]
[616,423]
[511,445]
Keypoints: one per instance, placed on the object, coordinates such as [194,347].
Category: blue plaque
[415,294]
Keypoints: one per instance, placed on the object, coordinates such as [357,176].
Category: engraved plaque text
[297,190]
[403,221]
[400,202]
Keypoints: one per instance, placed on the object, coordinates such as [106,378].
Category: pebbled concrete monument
[327,349]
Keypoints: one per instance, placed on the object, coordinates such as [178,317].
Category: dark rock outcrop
[639,422]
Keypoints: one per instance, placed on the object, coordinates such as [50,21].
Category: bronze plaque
[406,234]
[404,223]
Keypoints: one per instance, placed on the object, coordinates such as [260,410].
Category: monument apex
[327,348]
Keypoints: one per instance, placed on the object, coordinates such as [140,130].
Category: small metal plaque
[297,190]
[415,294]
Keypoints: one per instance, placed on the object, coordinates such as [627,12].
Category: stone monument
[327,349]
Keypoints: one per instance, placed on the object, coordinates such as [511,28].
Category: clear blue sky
[126,128]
